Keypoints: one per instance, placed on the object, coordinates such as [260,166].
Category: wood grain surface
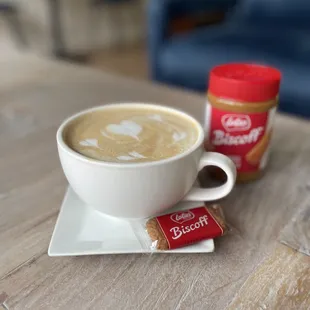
[281,282]
[35,96]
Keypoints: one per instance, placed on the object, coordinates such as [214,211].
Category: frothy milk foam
[131,134]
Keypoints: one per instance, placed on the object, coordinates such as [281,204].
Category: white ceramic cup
[139,190]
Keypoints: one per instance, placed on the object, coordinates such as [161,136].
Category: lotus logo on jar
[234,122]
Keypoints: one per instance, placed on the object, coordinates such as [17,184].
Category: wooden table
[250,268]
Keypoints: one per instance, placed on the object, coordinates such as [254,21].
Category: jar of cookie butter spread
[241,104]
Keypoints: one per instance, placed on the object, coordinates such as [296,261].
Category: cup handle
[206,194]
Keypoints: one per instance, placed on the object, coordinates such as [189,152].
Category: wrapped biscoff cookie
[182,228]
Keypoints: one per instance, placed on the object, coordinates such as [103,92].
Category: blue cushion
[180,7]
[187,59]
[276,11]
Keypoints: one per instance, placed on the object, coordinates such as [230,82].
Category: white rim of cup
[71,152]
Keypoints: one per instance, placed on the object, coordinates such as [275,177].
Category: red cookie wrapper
[186,227]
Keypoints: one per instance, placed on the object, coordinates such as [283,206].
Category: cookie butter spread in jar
[241,104]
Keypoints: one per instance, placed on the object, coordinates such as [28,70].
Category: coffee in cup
[131,134]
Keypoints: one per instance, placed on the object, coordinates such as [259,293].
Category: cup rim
[61,143]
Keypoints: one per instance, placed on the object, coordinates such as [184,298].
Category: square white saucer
[81,230]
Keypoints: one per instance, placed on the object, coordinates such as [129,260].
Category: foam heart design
[178,136]
[126,128]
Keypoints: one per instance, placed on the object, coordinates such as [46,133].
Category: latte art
[129,134]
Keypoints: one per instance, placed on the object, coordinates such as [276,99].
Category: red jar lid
[245,82]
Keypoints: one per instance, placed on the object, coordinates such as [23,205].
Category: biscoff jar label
[244,137]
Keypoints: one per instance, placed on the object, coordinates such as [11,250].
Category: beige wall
[84,28]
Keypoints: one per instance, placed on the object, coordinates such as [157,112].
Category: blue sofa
[273,32]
